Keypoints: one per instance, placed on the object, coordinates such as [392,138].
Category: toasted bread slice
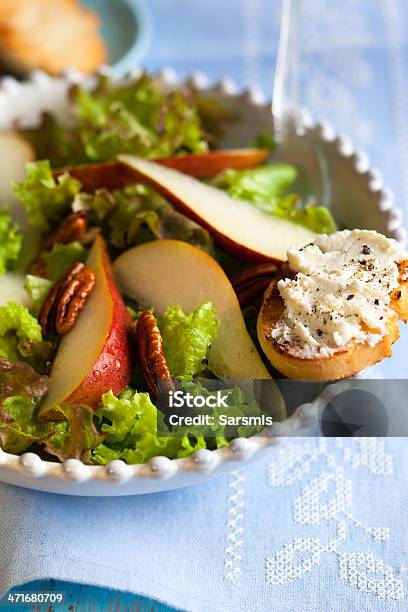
[49,34]
[356,356]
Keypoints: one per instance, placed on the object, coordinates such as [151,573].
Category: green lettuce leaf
[119,413]
[267,188]
[143,118]
[63,256]
[258,185]
[10,241]
[24,429]
[187,338]
[45,199]
[19,330]
[98,205]
[137,214]
[139,118]
[238,406]
[317,218]
[130,425]
[37,288]
[136,430]
[75,436]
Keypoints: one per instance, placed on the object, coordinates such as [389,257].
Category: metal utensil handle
[286,82]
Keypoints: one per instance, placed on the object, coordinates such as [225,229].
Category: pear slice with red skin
[238,227]
[115,175]
[94,356]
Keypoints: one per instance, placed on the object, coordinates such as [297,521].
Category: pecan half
[73,228]
[66,299]
[150,355]
[250,284]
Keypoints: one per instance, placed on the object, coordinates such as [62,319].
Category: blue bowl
[127,30]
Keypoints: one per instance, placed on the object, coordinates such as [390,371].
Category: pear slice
[95,356]
[238,227]
[115,175]
[168,273]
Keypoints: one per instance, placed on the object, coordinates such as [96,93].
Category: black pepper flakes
[350,297]
[377,302]
[398,295]
[319,332]
[370,266]
[366,250]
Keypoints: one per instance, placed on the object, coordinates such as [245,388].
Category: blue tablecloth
[321,524]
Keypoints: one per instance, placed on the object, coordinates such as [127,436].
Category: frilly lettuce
[238,406]
[258,185]
[137,214]
[187,338]
[19,330]
[37,288]
[76,435]
[23,430]
[98,205]
[21,389]
[10,241]
[142,118]
[316,218]
[63,256]
[136,431]
[131,423]
[268,187]
[45,199]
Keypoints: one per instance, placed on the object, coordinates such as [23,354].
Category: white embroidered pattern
[235,527]
[328,496]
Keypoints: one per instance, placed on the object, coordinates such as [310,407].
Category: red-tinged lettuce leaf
[21,390]
[141,215]
[46,200]
[23,429]
[20,379]
[74,437]
[141,117]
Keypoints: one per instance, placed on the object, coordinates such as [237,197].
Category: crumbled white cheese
[340,293]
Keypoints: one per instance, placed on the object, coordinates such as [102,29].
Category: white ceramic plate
[358,201]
